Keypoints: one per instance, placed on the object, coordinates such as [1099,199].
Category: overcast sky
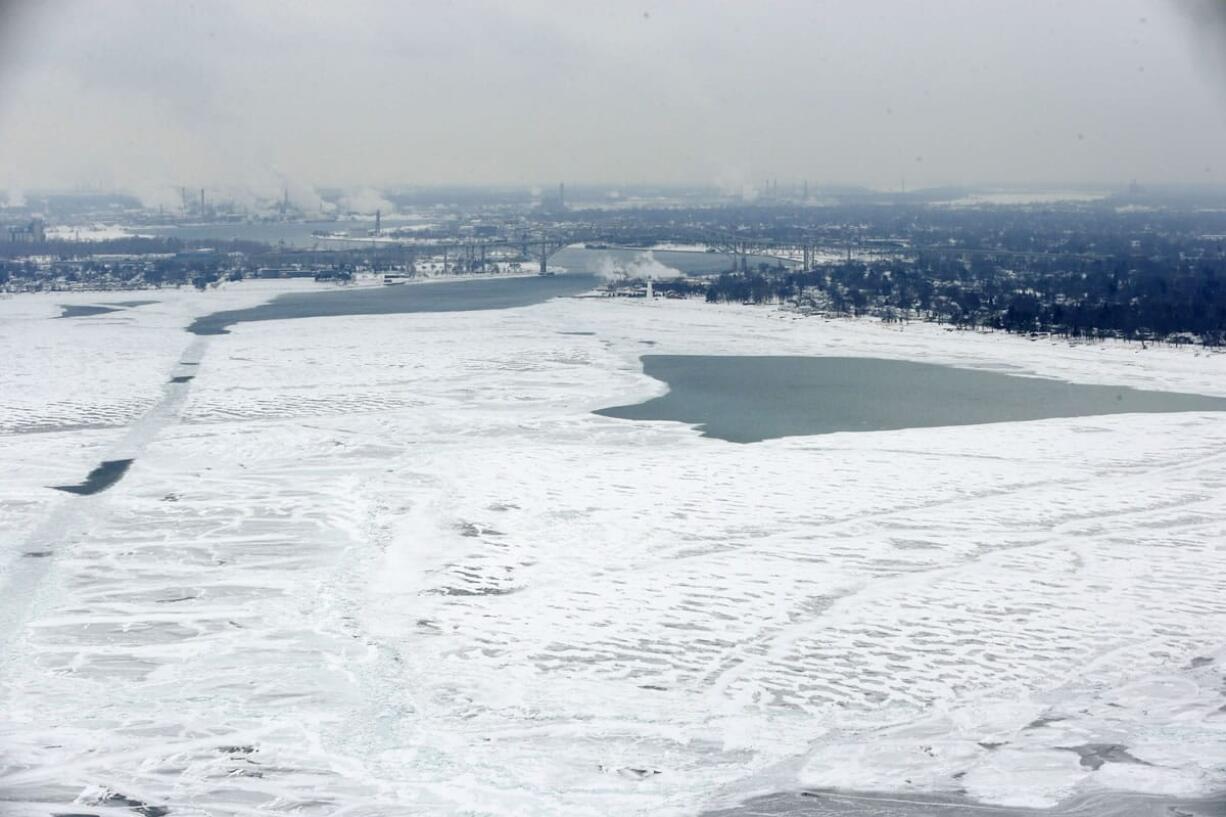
[146,96]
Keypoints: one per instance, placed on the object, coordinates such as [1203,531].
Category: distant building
[554,204]
[33,233]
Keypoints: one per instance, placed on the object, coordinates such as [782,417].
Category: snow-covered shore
[393,564]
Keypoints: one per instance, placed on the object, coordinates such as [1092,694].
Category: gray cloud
[256,96]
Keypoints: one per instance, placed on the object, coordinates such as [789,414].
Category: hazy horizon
[256,97]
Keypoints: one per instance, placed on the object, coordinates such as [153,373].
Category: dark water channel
[446,296]
[749,399]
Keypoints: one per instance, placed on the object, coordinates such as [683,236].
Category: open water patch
[747,399]
[86,310]
[99,479]
[83,311]
[449,296]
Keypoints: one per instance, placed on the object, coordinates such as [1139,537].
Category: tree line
[1126,297]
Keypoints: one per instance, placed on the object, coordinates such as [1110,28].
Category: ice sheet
[393,564]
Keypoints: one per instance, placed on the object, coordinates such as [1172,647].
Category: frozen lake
[747,399]
[365,563]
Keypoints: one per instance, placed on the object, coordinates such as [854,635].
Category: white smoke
[306,198]
[15,198]
[264,194]
[155,196]
[366,201]
[644,266]
[267,188]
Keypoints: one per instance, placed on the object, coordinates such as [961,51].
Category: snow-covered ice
[90,232]
[393,565]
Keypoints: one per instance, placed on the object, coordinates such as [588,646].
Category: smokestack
[202,201]
[378,221]
[561,194]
